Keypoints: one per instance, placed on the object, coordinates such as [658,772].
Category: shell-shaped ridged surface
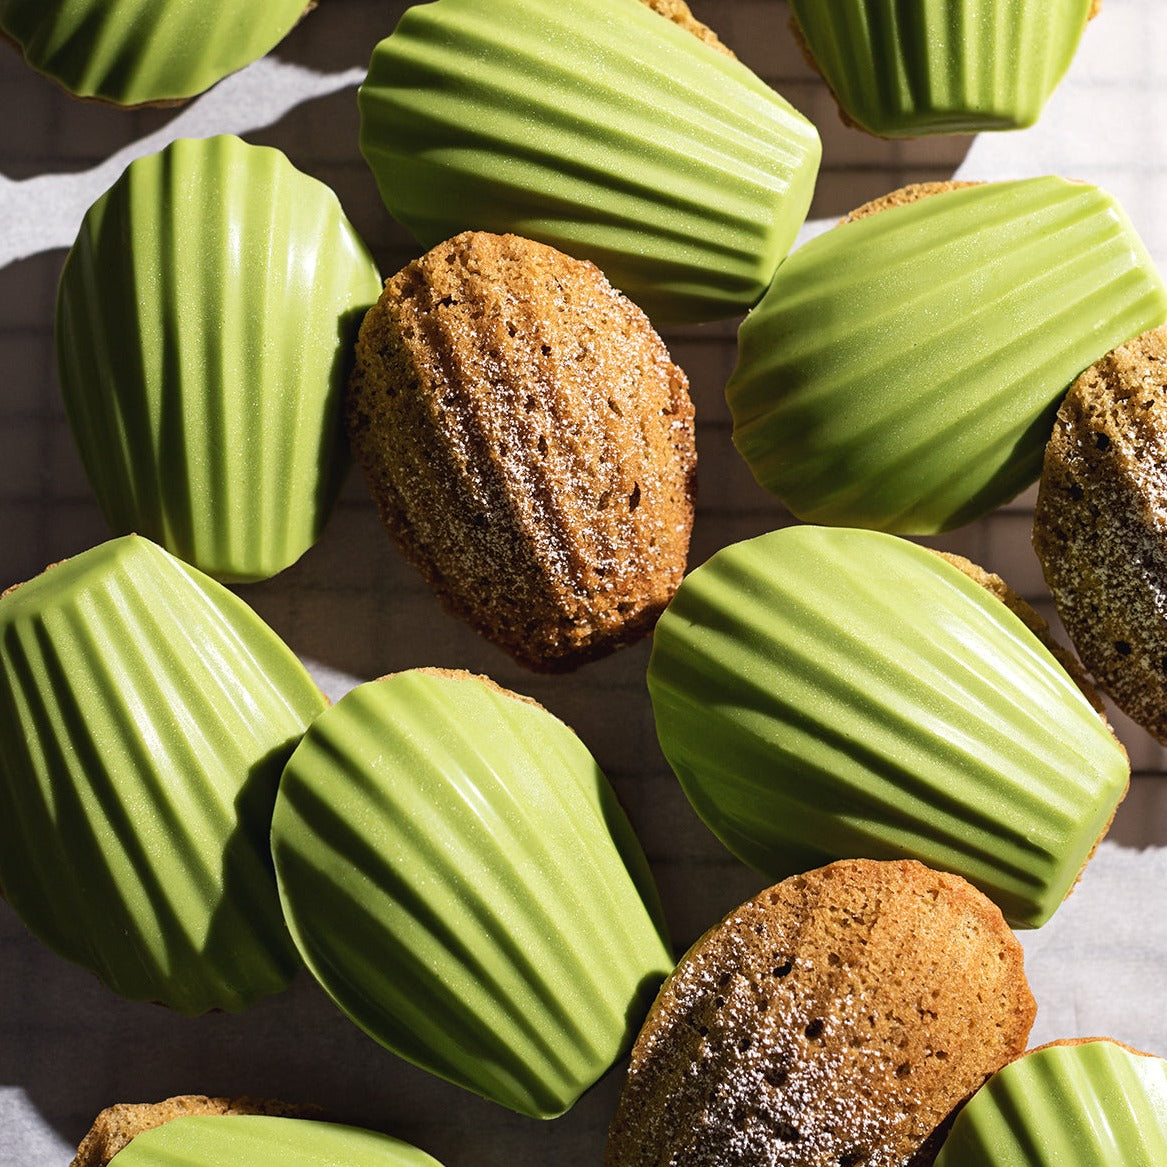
[901,69]
[137,51]
[459,877]
[602,129]
[247,1140]
[825,694]
[904,370]
[204,323]
[146,714]
[1091,1104]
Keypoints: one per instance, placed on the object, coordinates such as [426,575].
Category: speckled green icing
[204,322]
[247,1140]
[1090,1105]
[601,129]
[827,694]
[458,875]
[901,68]
[145,716]
[136,51]
[903,371]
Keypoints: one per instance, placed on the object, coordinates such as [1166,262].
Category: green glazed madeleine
[904,370]
[600,128]
[132,52]
[247,1140]
[458,875]
[204,321]
[1088,1104]
[826,693]
[901,69]
[145,716]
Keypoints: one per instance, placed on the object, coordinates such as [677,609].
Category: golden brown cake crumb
[1100,525]
[529,444]
[117,1125]
[833,1021]
[678,12]
[913,193]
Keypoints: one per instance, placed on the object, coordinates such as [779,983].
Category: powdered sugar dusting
[825,1024]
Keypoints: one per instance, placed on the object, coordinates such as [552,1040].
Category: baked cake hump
[1100,524]
[529,444]
[835,1019]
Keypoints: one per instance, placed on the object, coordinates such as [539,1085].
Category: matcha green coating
[1096,1104]
[904,370]
[602,129]
[204,323]
[145,716]
[829,694]
[902,68]
[249,1140]
[459,877]
[136,51]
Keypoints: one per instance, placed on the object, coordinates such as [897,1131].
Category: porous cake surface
[1100,526]
[117,1125]
[529,444]
[836,1019]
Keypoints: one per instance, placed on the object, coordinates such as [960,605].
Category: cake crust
[1100,524]
[906,195]
[679,13]
[836,1019]
[116,1126]
[529,444]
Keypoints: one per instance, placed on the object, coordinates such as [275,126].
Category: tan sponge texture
[833,1021]
[529,444]
[116,1126]
[1100,524]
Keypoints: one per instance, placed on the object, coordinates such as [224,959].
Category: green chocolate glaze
[459,877]
[136,51]
[145,716]
[902,68]
[248,1140]
[1096,1104]
[904,370]
[827,694]
[602,129]
[204,323]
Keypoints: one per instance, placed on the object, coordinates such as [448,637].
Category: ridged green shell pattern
[1090,1105]
[597,127]
[459,877]
[204,324]
[902,68]
[903,371]
[137,51]
[248,1140]
[829,694]
[146,714]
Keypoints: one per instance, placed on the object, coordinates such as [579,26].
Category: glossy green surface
[600,128]
[457,873]
[901,68]
[828,694]
[136,51]
[903,371]
[1091,1105]
[204,323]
[145,716]
[247,1140]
